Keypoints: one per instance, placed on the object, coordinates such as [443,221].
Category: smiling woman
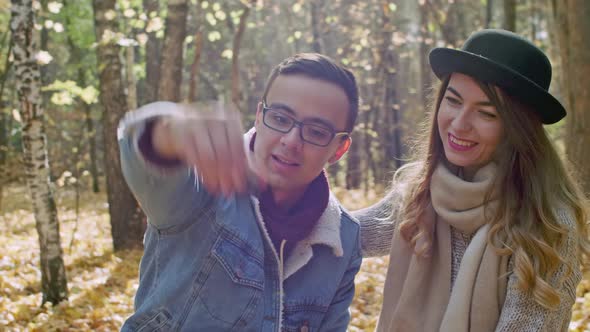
[488,226]
[469,124]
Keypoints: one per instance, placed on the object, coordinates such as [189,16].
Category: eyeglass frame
[300,124]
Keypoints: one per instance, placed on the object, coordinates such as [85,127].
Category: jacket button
[304,327]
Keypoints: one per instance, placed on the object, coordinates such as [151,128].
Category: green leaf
[214,36]
[62,98]
[211,19]
[89,95]
[220,15]
[228,54]
[67,91]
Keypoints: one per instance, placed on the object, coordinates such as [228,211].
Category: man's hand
[210,140]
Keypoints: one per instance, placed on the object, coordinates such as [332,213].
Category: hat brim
[445,61]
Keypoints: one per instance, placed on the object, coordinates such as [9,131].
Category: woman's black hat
[507,60]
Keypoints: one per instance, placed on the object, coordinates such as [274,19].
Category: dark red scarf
[297,223]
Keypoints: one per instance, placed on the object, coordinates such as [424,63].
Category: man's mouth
[284,160]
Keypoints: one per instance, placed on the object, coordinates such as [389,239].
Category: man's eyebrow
[480,103]
[282,107]
[286,108]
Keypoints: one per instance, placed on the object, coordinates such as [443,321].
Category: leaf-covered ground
[102,284]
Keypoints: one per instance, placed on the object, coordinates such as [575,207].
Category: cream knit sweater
[520,312]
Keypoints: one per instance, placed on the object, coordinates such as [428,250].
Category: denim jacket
[209,264]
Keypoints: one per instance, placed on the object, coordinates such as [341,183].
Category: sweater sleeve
[378,225]
[522,313]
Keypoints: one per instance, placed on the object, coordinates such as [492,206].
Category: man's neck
[286,199]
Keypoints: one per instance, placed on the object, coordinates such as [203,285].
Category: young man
[219,257]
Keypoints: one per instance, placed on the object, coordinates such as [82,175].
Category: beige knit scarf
[417,294]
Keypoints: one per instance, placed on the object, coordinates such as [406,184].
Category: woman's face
[469,125]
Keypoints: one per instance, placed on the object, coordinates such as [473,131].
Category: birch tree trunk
[127,220]
[171,65]
[28,76]
[573,32]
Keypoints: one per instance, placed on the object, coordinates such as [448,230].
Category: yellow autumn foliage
[102,284]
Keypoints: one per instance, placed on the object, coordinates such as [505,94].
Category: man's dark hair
[323,68]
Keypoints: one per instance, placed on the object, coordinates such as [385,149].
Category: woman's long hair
[540,204]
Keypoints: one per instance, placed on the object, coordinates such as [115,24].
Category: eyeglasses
[310,133]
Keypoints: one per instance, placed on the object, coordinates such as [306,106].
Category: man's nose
[292,139]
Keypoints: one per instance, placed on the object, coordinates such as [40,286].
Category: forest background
[70,230]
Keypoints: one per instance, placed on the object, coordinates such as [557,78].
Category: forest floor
[102,283]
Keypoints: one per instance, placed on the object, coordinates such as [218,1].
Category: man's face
[284,160]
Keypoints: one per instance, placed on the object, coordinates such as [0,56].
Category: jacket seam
[202,276]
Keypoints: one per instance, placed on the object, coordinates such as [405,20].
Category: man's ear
[342,148]
[258,115]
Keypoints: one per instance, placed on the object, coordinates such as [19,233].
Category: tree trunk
[130,76]
[75,54]
[194,78]
[28,85]
[44,41]
[353,162]
[387,123]
[127,220]
[152,54]
[236,93]
[446,19]
[4,134]
[316,19]
[315,13]
[573,31]
[91,132]
[3,149]
[509,15]
[425,46]
[534,19]
[172,61]
[489,13]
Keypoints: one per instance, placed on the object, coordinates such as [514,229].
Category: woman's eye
[453,101]
[488,114]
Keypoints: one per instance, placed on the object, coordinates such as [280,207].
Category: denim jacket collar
[326,232]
